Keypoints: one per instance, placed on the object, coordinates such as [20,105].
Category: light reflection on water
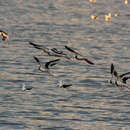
[91,103]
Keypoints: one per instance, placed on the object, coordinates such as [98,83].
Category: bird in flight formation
[46,67]
[119,80]
[116,79]
[57,53]
[51,52]
[78,56]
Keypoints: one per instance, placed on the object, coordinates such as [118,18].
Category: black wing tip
[90,62]
[33,44]
[51,63]
[125,79]
[36,58]
[67,47]
[30,42]
[3,32]
[36,46]
[29,88]
[112,68]
[112,65]
[67,85]
[115,73]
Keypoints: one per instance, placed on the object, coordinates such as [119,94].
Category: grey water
[91,103]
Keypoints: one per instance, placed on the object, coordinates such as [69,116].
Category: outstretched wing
[66,85]
[41,68]
[124,79]
[112,68]
[36,46]
[88,61]
[57,51]
[51,63]
[124,74]
[85,59]
[115,74]
[73,51]
[37,60]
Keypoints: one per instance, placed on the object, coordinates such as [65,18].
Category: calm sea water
[91,103]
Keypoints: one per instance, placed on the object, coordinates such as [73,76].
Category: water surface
[91,103]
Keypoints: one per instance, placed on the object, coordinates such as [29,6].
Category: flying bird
[24,88]
[41,68]
[46,67]
[112,81]
[77,54]
[119,80]
[62,85]
[51,52]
